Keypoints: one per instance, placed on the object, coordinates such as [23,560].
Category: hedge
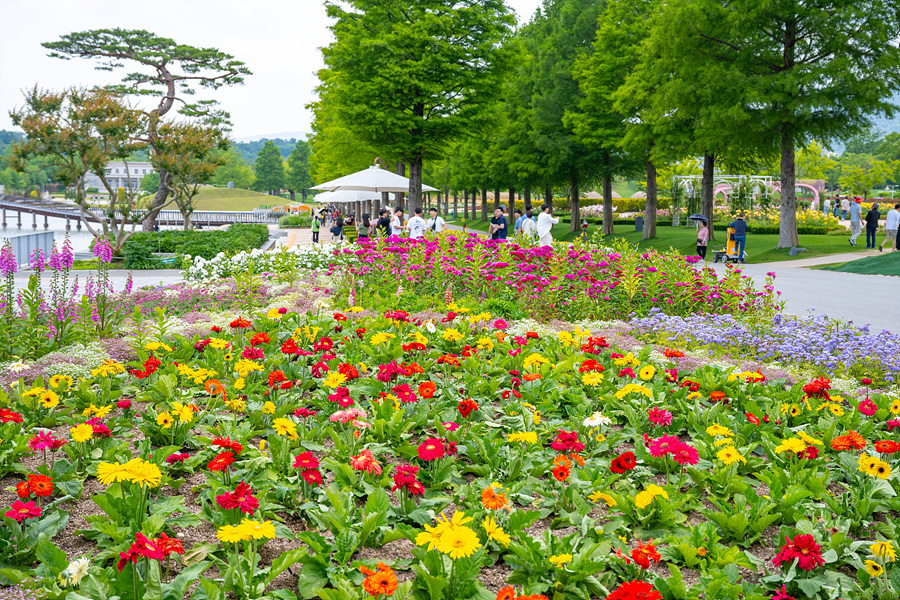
[140,247]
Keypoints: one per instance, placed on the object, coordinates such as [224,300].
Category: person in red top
[702,240]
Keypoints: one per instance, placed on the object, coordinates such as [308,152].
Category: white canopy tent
[373,179]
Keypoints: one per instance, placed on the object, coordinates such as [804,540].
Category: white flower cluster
[312,257]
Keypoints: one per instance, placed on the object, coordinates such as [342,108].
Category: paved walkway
[862,299]
[829,259]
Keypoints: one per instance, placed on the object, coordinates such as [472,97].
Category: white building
[119,176]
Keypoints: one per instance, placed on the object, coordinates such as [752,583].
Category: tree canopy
[269,169]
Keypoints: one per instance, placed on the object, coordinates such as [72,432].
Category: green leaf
[208,590]
[50,555]
[287,559]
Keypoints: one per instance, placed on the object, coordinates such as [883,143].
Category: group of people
[740,237]
[891,226]
[345,227]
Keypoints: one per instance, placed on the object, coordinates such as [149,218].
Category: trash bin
[639,223]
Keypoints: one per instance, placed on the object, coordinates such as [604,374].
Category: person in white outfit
[416,225]
[529,227]
[435,223]
[545,225]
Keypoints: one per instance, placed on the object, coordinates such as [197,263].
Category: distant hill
[249,150]
[284,135]
[8,137]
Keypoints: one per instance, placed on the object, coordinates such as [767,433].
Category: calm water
[81,240]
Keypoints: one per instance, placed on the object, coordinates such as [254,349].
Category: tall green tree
[614,111]
[808,69]
[163,69]
[410,76]
[860,173]
[269,169]
[298,177]
[81,131]
[235,170]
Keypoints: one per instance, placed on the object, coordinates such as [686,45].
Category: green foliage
[269,169]
[293,221]
[207,244]
[150,182]
[298,176]
[234,169]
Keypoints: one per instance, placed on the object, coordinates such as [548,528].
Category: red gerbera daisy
[644,553]
[241,498]
[635,590]
[431,449]
[221,462]
[168,545]
[226,443]
[312,476]
[240,323]
[306,460]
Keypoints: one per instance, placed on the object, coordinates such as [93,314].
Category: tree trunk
[149,222]
[609,227]
[526,200]
[706,191]
[496,199]
[512,200]
[474,203]
[293,196]
[484,216]
[385,201]
[548,195]
[187,220]
[398,197]
[415,185]
[465,204]
[455,202]
[650,208]
[575,226]
[787,226]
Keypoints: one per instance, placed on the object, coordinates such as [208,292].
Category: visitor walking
[529,226]
[891,225]
[435,222]
[826,206]
[383,227]
[338,230]
[872,218]
[855,222]
[545,225]
[397,222]
[740,235]
[350,230]
[845,207]
[702,240]
[366,230]
[315,227]
[416,224]
[498,225]
[520,218]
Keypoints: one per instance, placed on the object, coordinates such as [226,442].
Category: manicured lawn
[233,199]
[884,264]
[760,248]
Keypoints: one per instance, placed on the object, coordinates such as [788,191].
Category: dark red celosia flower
[201,345]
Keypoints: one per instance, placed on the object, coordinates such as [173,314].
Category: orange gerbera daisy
[561,472]
[382,582]
[507,593]
[857,442]
[491,500]
[531,376]
[840,443]
[562,460]
[576,458]
[40,485]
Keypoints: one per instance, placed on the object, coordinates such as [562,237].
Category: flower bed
[309,447]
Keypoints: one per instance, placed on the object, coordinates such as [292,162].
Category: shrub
[206,244]
[293,221]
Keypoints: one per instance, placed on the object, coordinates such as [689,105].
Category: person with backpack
[872,218]
[314,227]
[435,223]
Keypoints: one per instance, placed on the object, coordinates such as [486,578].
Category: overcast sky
[278,39]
